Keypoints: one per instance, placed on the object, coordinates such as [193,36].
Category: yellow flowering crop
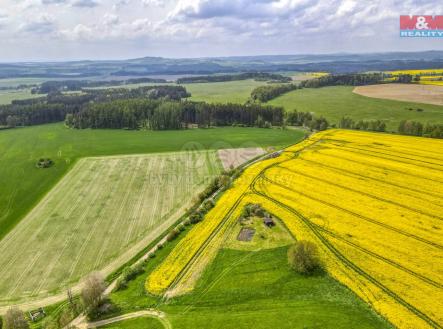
[372,203]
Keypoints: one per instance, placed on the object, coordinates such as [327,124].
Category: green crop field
[7,96]
[23,185]
[223,92]
[102,208]
[335,102]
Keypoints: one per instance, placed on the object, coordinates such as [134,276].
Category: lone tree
[15,319]
[304,258]
[93,289]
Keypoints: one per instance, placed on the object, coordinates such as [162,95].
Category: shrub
[152,255]
[92,291]
[303,257]
[173,235]
[181,228]
[195,218]
[15,319]
[208,205]
[160,246]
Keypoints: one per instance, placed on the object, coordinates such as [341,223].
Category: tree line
[415,128]
[369,125]
[306,119]
[55,106]
[164,115]
[360,79]
[257,76]
[266,93]
[78,85]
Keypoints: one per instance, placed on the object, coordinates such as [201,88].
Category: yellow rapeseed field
[417,72]
[371,202]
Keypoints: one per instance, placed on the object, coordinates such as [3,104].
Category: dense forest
[257,76]
[78,85]
[163,115]
[344,80]
[266,93]
[55,106]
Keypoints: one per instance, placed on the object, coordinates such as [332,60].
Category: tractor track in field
[392,157]
[368,219]
[378,166]
[349,173]
[350,264]
[363,193]
[384,259]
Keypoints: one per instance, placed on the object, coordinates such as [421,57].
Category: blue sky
[117,29]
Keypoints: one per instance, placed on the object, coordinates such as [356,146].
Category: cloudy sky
[117,29]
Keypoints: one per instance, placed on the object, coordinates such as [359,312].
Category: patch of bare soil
[236,157]
[427,94]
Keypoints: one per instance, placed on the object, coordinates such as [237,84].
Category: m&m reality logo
[421,26]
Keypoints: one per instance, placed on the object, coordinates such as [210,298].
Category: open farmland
[103,212]
[21,148]
[335,102]
[427,94]
[371,202]
[223,92]
[7,96]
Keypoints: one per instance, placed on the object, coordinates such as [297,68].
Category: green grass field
[7,96]
[23,185]
[102,208]
[335,102]
[223,92]
[244,289]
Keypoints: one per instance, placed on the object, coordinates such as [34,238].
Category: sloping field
[371,202]
[101,213]
[418,93]
[334,103]
[232,158]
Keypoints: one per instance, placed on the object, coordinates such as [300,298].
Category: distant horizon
[343,53]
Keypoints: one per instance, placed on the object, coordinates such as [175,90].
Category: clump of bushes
[221,182]
[253,209]
[303,257]
[44,163]
[173,235]
[128,274]
[15,319]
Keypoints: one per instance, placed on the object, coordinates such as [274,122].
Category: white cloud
[215,26]
[43,24]
[85,3]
